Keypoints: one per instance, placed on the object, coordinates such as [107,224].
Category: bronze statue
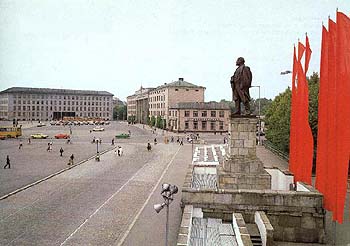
[240,83]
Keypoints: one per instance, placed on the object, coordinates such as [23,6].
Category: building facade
[24,103]
[162,98]
[138,106]
[199,117]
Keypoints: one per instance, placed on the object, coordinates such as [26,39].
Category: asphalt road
[96,203]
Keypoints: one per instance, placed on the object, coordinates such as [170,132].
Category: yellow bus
[10,132]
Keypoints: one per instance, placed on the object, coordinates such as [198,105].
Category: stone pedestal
[241,168]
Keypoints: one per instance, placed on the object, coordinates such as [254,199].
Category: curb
[52,175]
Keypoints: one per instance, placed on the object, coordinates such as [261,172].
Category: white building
[24,103]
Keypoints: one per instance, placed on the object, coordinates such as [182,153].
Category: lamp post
[259,117]
[167,193]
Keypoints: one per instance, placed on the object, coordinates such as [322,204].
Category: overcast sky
[118,45]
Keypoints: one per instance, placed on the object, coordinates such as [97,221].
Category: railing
[275,150]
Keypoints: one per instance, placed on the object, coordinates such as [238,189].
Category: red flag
[342,110]
[308,147]
[293,119]
[298,168]
[322,134]
[301,49]
[331,118]
[307,54]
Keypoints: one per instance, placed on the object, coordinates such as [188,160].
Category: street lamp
[259,117]
[167,193]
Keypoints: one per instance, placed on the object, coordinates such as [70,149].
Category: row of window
[98,98]
[204,113]
[47,114]
[28,108]
[157,105]
[204,125]
[61,102]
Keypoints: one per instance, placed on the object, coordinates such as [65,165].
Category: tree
[119,112]
[278,115]
[152,121]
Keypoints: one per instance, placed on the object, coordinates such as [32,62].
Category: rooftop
[54,91]
[179,83]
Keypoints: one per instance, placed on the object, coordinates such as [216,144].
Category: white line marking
[98,209]
[148,198]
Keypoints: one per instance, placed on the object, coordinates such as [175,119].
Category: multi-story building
[138,105]
[199,117]
[162,98]
[24,103]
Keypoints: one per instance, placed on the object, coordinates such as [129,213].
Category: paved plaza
[99,203]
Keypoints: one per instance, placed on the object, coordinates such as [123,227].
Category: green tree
[119,112]
[278,115]
[152,121]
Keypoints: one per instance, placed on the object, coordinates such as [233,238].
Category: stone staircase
[211,232]
[254,234]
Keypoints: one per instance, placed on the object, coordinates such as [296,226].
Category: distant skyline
[117,46]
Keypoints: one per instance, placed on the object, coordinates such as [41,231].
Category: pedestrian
[120,151]
[172,139]
[112,141]
[20,144]
[70,130]
[155,141]
[71,159]
[29,141]
[61,151]
[182,141]
[93,140]
[149,147]
[7,162]
[100,140]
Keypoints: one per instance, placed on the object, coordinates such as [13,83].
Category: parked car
[98,129]
[62,136]
[122,135]
[40,125]
[38,136]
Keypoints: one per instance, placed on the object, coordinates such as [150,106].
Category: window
[213,113]
[204,125]
[187,113]
[221,125]
[195,125]
[204,113]
[186,124]
[221,114]
[195,113]
[212,125]
[176,89]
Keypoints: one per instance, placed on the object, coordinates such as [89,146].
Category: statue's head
[240,61]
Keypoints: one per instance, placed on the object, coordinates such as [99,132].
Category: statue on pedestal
[240,83]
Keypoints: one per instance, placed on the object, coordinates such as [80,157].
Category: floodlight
[165,187]
[173,189]
[158,207]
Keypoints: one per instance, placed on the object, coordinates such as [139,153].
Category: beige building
[199,117]
[24,103]
[162,98]
[138,106]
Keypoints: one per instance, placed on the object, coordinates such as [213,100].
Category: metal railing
[270,146]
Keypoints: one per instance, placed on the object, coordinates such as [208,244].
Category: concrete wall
[241,231]
[280,180]
[265,228]
[204,170]
[295,216]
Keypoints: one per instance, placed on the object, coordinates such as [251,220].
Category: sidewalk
[269,159]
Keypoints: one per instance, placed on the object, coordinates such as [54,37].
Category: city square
[183,123]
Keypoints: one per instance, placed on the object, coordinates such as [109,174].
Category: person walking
[7,162]
[149,147]
[120,151]
[71,159]
[112,141]
[20,144]
[29,141]
[155,141]
[61,151]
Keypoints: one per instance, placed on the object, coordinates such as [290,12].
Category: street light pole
[259,117]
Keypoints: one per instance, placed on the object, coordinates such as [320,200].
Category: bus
[10,132]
